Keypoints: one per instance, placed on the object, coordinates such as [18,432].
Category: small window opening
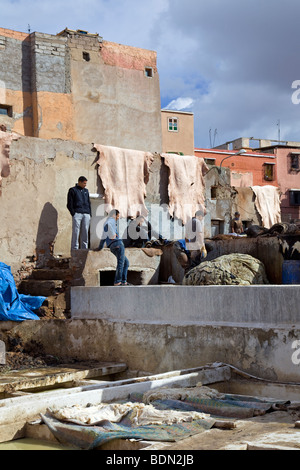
[86,56]
[149,72]
[213,192]
[210,161]
[6,110]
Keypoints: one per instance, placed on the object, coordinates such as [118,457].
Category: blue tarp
[15,306]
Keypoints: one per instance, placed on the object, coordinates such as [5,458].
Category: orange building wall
[251,162]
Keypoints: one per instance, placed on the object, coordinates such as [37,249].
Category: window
[149,72]
[6,110]
[210,161]
[86,56]
[269,171]
[295,197]
[173,124]
[295,162]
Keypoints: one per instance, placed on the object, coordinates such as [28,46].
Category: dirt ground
[19,360]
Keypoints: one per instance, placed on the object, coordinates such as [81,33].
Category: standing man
[79,206]
[110,236]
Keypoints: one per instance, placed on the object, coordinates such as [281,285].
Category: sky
[234,63]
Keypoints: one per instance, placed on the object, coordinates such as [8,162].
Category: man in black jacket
[79,206]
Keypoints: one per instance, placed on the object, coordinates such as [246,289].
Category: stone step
[60,263]
[52,274]
[41,288]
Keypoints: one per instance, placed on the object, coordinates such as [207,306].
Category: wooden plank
[49,376]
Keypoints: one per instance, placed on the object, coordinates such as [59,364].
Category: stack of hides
[233,269]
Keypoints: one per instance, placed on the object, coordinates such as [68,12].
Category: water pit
[22,426]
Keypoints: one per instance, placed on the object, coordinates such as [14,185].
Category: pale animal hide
[6,139]
[267,203]
[186,185]
[142,415]
[124,174]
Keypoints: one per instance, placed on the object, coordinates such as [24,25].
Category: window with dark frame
[294,197]
[86,56]
[295,161]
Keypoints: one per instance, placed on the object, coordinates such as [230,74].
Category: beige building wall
[79,87]
[180,140]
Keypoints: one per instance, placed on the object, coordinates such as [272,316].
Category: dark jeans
[118,249]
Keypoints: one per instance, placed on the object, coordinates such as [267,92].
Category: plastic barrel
[291,272]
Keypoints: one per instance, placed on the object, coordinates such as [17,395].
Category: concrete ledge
[263,305]
[87,265]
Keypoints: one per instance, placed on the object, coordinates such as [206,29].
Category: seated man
[115,244]
[138,232]
[236,224]
[191,250]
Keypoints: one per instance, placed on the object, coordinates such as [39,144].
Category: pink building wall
[288,179]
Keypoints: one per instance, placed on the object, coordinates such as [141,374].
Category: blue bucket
[291,272]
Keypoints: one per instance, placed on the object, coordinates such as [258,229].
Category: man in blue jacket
[79,206]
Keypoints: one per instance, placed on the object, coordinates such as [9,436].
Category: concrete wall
[92,268]
[34,197]
[159,347]
[222,200]
[237,305]
[267,250]
[35,219]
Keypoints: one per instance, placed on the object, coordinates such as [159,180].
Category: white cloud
[180,104]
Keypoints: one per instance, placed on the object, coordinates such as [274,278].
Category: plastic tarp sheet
[231,406]
[15,306]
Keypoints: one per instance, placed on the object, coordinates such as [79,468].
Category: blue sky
[231,62]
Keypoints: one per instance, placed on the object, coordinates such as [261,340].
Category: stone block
[2,353]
